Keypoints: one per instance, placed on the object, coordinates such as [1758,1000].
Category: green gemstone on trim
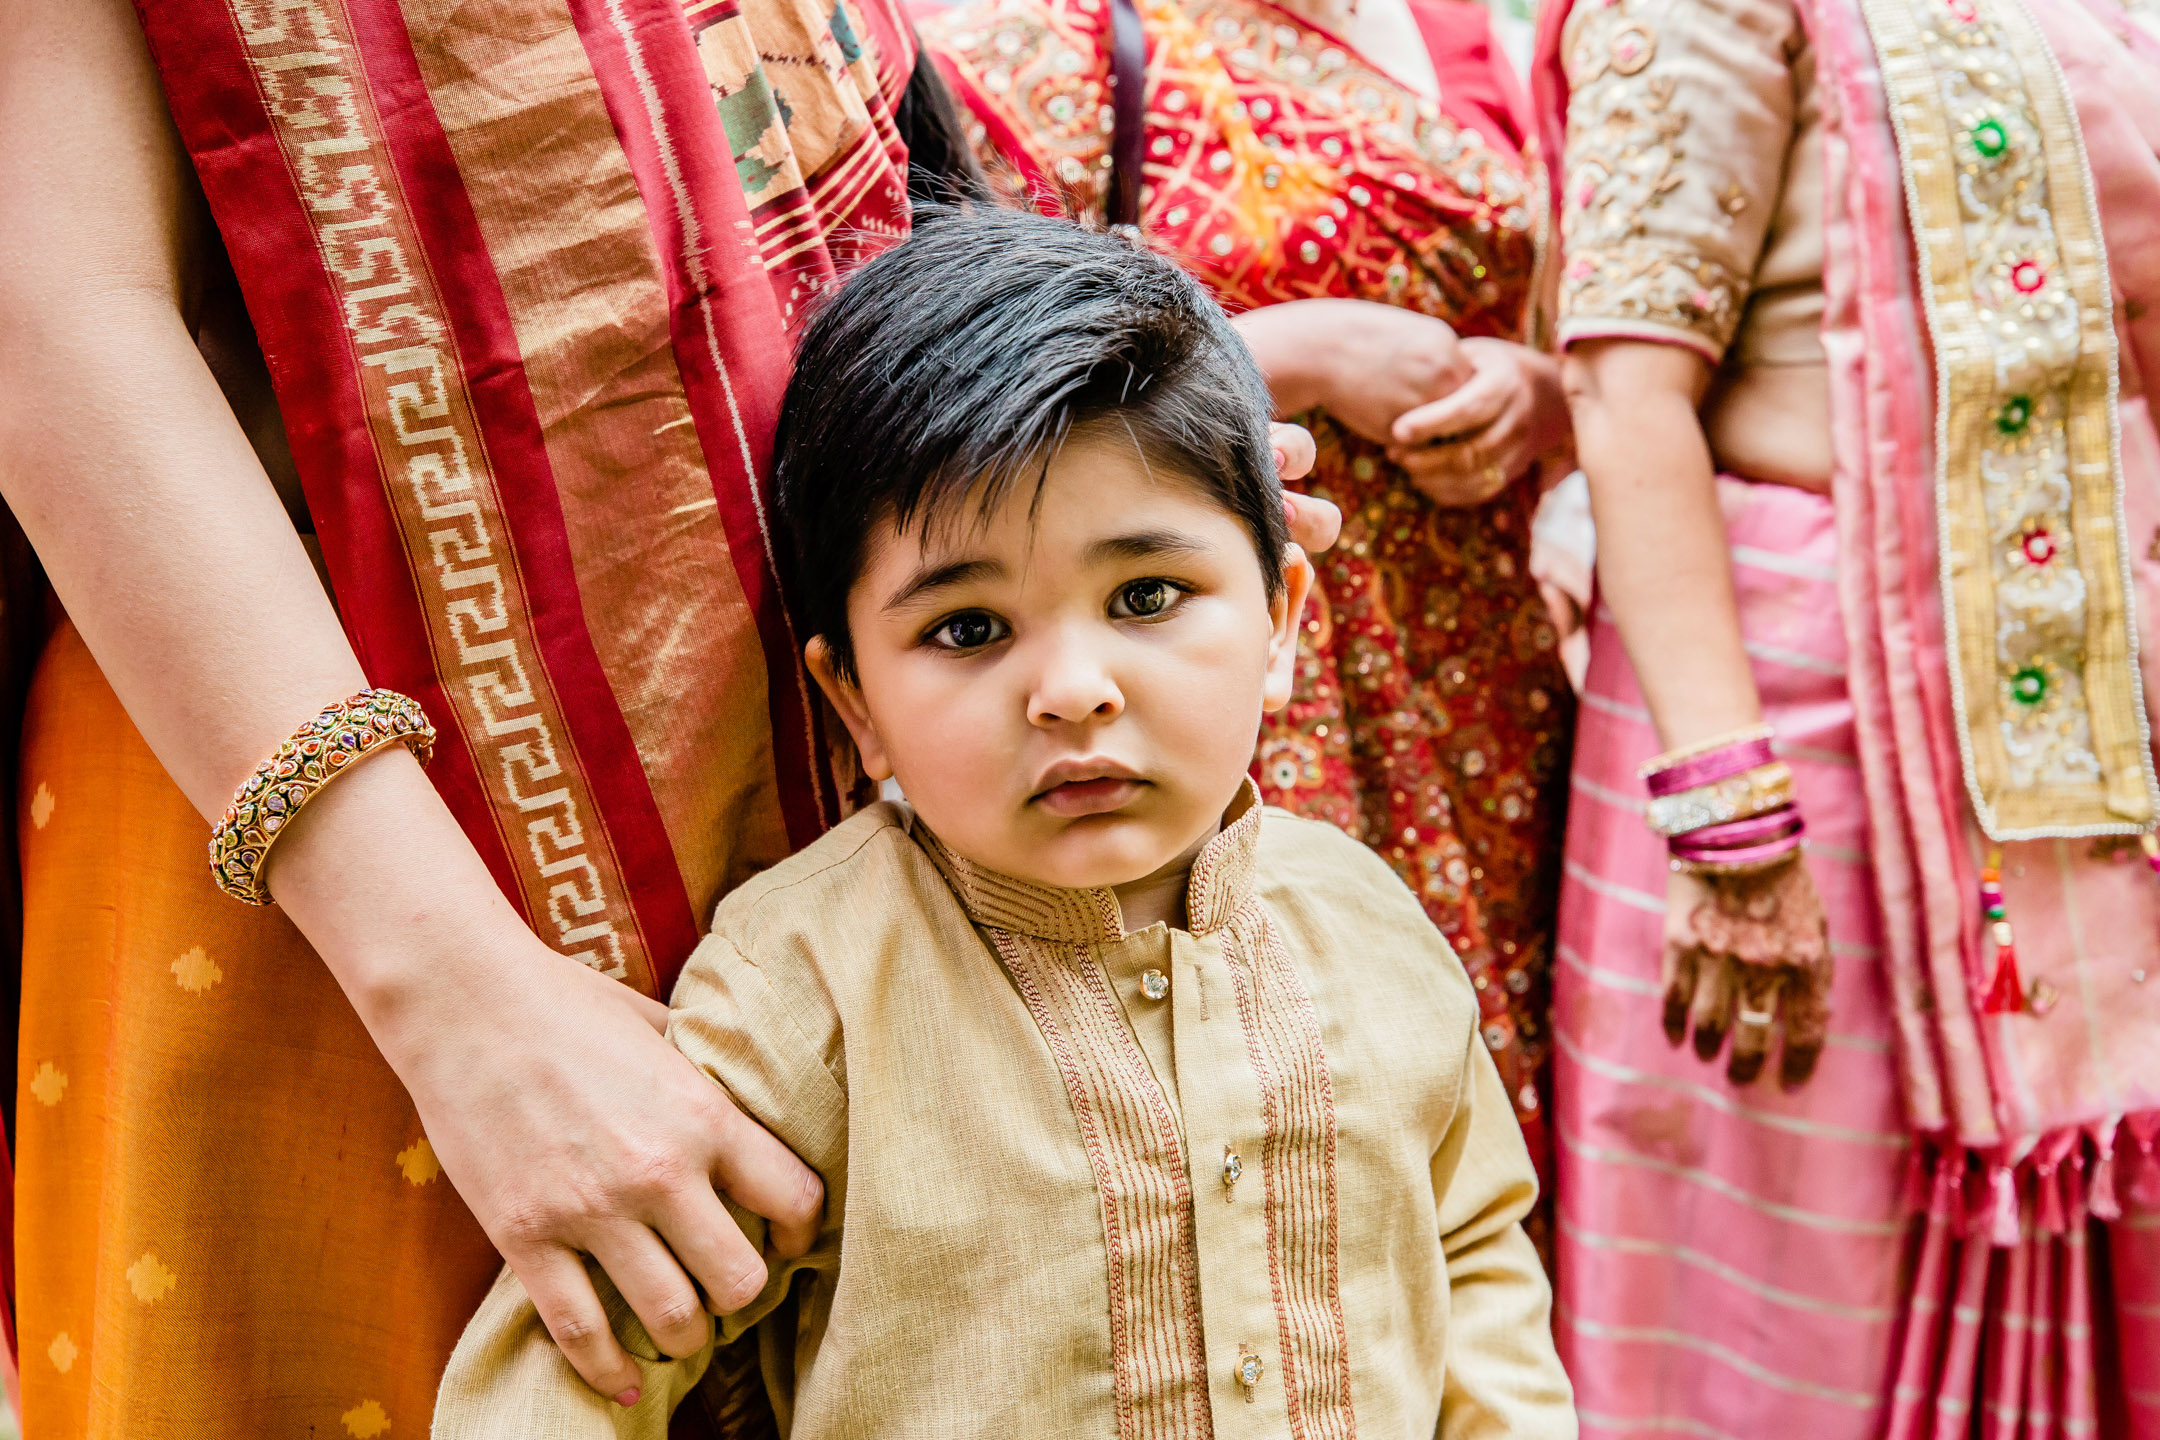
[2015,415]
[1990,138]
[2029,686]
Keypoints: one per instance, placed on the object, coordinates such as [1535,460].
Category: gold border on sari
[2092,679]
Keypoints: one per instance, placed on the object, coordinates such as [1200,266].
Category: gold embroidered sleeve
[1680,117]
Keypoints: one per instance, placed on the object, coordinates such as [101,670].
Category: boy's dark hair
[958,362]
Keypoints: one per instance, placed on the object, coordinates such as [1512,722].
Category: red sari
[1431,717]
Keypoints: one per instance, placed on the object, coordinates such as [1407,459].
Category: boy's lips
[1076,788]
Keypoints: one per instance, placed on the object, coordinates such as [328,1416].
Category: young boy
[1140,1111]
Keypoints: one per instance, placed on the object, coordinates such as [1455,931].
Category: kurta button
[1232,1168]
[1249,1369]
[1154,984]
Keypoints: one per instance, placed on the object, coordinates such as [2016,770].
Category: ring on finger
[1755,1017]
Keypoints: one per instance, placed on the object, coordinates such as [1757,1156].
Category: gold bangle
[318,752]
[1742,797]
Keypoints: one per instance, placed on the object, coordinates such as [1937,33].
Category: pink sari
[1953,1230]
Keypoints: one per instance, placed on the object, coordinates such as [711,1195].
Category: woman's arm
[565,1120]
[1735,947]
[1664,567]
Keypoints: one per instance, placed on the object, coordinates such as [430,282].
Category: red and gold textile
[524,273]
[1432,715]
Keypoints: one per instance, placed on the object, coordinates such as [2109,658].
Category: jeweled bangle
[1719,758]
[1741,797]
[318,752]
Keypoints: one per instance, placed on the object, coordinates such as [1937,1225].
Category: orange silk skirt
[227,1219]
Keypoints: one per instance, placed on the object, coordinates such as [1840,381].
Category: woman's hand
[1465,447]
[1744,953]
[558,1109]
[1365,363]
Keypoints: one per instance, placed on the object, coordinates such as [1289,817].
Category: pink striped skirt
[1739,1262]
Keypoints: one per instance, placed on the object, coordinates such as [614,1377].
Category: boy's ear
[1288,612]
[847,699]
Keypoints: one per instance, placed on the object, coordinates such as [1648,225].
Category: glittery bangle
[318,752]
[1739,797]
[1715,759]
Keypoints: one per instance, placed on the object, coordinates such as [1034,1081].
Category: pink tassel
[1916,1179]
[2003,1228]
[2066,1194]
[2048,1182]
[2146,1188]
[2101,1198]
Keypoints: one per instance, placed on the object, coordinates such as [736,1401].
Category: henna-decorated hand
[1744,953]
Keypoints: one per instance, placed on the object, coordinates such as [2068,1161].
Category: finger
[570,1308]
[1807,1024]
[655,1286]
[1682,959]
[1455,491]
[1464,455]
[766,1179]
[1711,1012]
[1315,523]
[1294,450]
[1479,402]
[1757,1008]
[713,1248]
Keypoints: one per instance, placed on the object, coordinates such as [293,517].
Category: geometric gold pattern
[149,1279]
[49,1084]
[366,1420]
[418,1162]
[196,971]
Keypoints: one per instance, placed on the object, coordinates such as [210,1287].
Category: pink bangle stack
[1733,843]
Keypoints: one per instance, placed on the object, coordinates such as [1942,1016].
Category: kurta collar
[1222,878]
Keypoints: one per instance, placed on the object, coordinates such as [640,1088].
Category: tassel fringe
[2070,1176]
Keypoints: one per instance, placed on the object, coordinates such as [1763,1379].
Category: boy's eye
[1145,599]
[969,631]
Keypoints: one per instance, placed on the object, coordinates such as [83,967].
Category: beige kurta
[1079,1181]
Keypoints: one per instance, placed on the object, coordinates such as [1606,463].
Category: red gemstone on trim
[1962,11]
[2027,276]
[2039,547]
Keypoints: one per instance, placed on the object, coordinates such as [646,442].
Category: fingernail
[628,1398]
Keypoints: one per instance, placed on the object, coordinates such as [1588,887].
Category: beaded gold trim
[1742,797]
[317,753]
[2014,280]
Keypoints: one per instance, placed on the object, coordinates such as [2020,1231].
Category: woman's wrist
[1553,427]
[1299,348]
[380,878]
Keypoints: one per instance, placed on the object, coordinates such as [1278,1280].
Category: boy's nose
[1073,685]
